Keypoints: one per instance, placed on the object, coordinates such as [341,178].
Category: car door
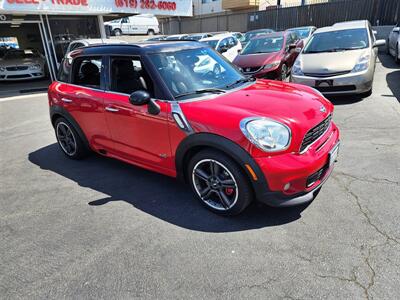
[83,97]
[126,26]
[139,136]
[234,48]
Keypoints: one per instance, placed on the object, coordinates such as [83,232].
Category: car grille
[17,68]
[251,69]
[316,176]
[338,88]
[324,75]
[315,133]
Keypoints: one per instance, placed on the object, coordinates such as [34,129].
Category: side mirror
[379,43]
[396,29]
[140,98]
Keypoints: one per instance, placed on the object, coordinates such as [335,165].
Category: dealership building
[50,25]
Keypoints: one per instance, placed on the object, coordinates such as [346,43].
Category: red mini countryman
[233,139]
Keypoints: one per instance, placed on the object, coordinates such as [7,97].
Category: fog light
[286,187]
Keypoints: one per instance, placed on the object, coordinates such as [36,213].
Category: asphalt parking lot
[102,229]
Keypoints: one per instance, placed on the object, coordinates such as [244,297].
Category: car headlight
[2,69]
[362,64]
[273,65]
[266,134]
[296,69]
[35,67]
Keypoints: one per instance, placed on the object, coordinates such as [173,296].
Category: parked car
[86,42]
[240,37]
[250,34]
[22,65]
[176,37]
[233,139]
[156,38]
[3,50]
[197,36]
[270,56]
[138,24]
[339,59]
[393,43]
[226,44]
[304,32]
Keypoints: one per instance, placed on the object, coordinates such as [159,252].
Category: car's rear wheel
[219,183]
[117,32]
[150,32]
[69,140]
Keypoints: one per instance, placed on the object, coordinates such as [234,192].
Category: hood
[331,62]
[20,62]
[256,60]
[271,99]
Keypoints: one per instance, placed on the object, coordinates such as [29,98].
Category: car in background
[22,65]
[197,36]
[226,44]
[138,24]
[250,34]
[176,37]
[339,59]
[393,43]
[240,37]
[3,50]
[233,139]
[88,42]
[270,56]
[156,38]
[303,32]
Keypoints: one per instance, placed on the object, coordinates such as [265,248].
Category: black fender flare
[230,148]
[56,110]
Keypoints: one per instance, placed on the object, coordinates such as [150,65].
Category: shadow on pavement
[392,78]
[155,194]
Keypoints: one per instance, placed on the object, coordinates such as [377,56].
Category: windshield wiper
[242,80]
[202,91]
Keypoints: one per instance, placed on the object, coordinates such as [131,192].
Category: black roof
[141,48]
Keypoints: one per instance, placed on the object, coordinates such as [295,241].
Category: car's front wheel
[219,183]
[69,140]
[117,32]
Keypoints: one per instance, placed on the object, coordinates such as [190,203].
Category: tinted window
[128,75]
[264,45]
[302,32]
[339,40]
[65,70]
[86,72]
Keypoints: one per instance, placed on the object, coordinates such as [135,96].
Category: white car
[139,24]
[22,65]
[226,44]
[87,42]
[393,43]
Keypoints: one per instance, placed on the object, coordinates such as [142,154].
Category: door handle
[111,109]
[66,100]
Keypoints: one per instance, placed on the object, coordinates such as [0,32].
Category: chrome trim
[308,147]
[176,109]
[112,109]
[66,100]
[243,128]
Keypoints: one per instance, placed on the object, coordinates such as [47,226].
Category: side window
[86,72]
[125,20]
[232,42]
[128,75]
[224,43]
[65,70]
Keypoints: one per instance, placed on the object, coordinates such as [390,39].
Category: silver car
[393,46]
[22,65]
[339,59]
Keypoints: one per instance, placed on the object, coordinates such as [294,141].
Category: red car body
[112,126]
[254,64]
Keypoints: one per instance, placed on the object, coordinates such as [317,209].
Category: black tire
[69,140]
[396,57]
[117,32]
[150,32]
[226,193]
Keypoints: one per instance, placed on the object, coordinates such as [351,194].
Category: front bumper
[350,83]
[294,178]
[21,75]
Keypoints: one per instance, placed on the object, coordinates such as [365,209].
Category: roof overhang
[96,7]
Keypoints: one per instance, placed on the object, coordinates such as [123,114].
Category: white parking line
[23,97]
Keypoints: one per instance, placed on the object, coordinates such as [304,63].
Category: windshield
[191,73]
[20,54]
[302,33]
[263,45]
[212,43]
[340,40]
[249,35]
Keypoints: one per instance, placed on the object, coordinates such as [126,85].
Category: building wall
[202,7]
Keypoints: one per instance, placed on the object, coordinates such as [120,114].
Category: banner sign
[155,7]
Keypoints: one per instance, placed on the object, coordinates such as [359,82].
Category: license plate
[324,83]
[333,154]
